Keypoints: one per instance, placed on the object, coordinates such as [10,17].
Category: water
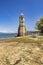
[7,35]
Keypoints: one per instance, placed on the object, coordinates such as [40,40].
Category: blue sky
[10,11]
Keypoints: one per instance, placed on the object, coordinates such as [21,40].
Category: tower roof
[21,15]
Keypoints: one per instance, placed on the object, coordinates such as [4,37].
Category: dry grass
[26,39]
[26,50]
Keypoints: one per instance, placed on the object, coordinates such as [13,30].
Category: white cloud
[7,31]
[4,31]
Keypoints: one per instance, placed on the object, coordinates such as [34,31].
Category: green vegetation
[40,25]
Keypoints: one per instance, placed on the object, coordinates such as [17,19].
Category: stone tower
[22,28]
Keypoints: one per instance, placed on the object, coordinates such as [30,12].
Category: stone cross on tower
[22,28]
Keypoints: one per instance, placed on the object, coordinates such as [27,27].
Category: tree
[39,25]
